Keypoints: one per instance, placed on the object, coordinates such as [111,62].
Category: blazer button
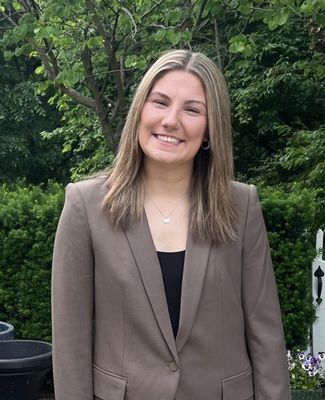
[173,366]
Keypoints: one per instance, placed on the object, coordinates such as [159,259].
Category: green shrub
[28,219]
[289,217]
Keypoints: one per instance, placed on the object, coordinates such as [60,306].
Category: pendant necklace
[166,218]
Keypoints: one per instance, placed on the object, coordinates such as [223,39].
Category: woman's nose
[171,119]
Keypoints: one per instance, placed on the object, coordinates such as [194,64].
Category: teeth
[168,139]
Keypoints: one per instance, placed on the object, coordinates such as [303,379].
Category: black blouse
[172,265]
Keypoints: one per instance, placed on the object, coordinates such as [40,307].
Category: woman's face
[173,119]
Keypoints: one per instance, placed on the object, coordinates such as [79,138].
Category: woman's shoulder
[91,182]
[240,188]
[90,189]
[243,194]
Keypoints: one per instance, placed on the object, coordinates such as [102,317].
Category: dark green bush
[289,217]
[28,219]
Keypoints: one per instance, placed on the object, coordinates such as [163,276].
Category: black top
[172,265]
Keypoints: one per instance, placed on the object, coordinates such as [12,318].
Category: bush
[289,217]
[28,219]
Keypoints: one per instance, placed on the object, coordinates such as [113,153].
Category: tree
[88,49]
[94,50]
[23,152]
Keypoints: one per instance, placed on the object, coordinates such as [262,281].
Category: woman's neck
[167,182]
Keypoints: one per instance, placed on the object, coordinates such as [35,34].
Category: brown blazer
[112,335]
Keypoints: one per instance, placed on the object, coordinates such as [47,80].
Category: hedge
[290,217]
[28,219]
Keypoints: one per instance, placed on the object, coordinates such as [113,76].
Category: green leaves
[277,18]
[174,37]
[241,44]
[174,16]
[69,77]
[160,35]
[25,49]
[7,55]
[28,219]
[16,5]
[134,61]
[289,215]
[94,42]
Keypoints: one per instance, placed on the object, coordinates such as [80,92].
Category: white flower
[291,366]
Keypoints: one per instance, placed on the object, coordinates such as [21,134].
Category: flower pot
[6,331]
[23,366]
[307,394]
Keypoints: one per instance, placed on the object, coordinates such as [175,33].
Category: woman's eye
[193,110]
[160,102]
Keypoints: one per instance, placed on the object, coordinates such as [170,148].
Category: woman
[162,280]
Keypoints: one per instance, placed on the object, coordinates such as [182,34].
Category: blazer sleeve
[264,332]
[72,301]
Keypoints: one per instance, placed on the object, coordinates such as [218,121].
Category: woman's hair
[211,214]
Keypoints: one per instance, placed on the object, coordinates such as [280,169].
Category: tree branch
[78,97]
[53,70]
[132,20]
[111,57]
[152,9]
[198,18]
[217,43]
[101,108]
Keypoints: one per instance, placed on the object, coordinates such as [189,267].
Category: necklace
[166,218]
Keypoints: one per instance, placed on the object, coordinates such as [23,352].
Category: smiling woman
[163,286]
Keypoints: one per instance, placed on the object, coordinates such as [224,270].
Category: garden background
[67,73]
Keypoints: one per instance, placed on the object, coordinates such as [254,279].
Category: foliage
[83,142]
[289,219]
[86,57]
[90,49]
[305,370]
[95,50]
[28,219]
[276,94]
[304,161]
[304,157]
[23,115]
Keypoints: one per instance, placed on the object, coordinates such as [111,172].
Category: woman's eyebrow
[196,102]
[159,94]
[168,98]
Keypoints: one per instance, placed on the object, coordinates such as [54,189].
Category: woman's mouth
[168,139]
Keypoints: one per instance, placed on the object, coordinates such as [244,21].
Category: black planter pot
[23,366]
[307,394]
[7,331]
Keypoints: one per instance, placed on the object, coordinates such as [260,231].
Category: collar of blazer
[195,264]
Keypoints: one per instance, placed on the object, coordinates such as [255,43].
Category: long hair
[211,214]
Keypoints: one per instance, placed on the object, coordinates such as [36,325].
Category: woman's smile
[167,139]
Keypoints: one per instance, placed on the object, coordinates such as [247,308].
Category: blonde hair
[211,216]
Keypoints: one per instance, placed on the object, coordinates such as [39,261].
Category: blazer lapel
[195,265]
[144,252]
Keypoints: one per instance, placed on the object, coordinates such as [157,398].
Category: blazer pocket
[107,385]
[239,386]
